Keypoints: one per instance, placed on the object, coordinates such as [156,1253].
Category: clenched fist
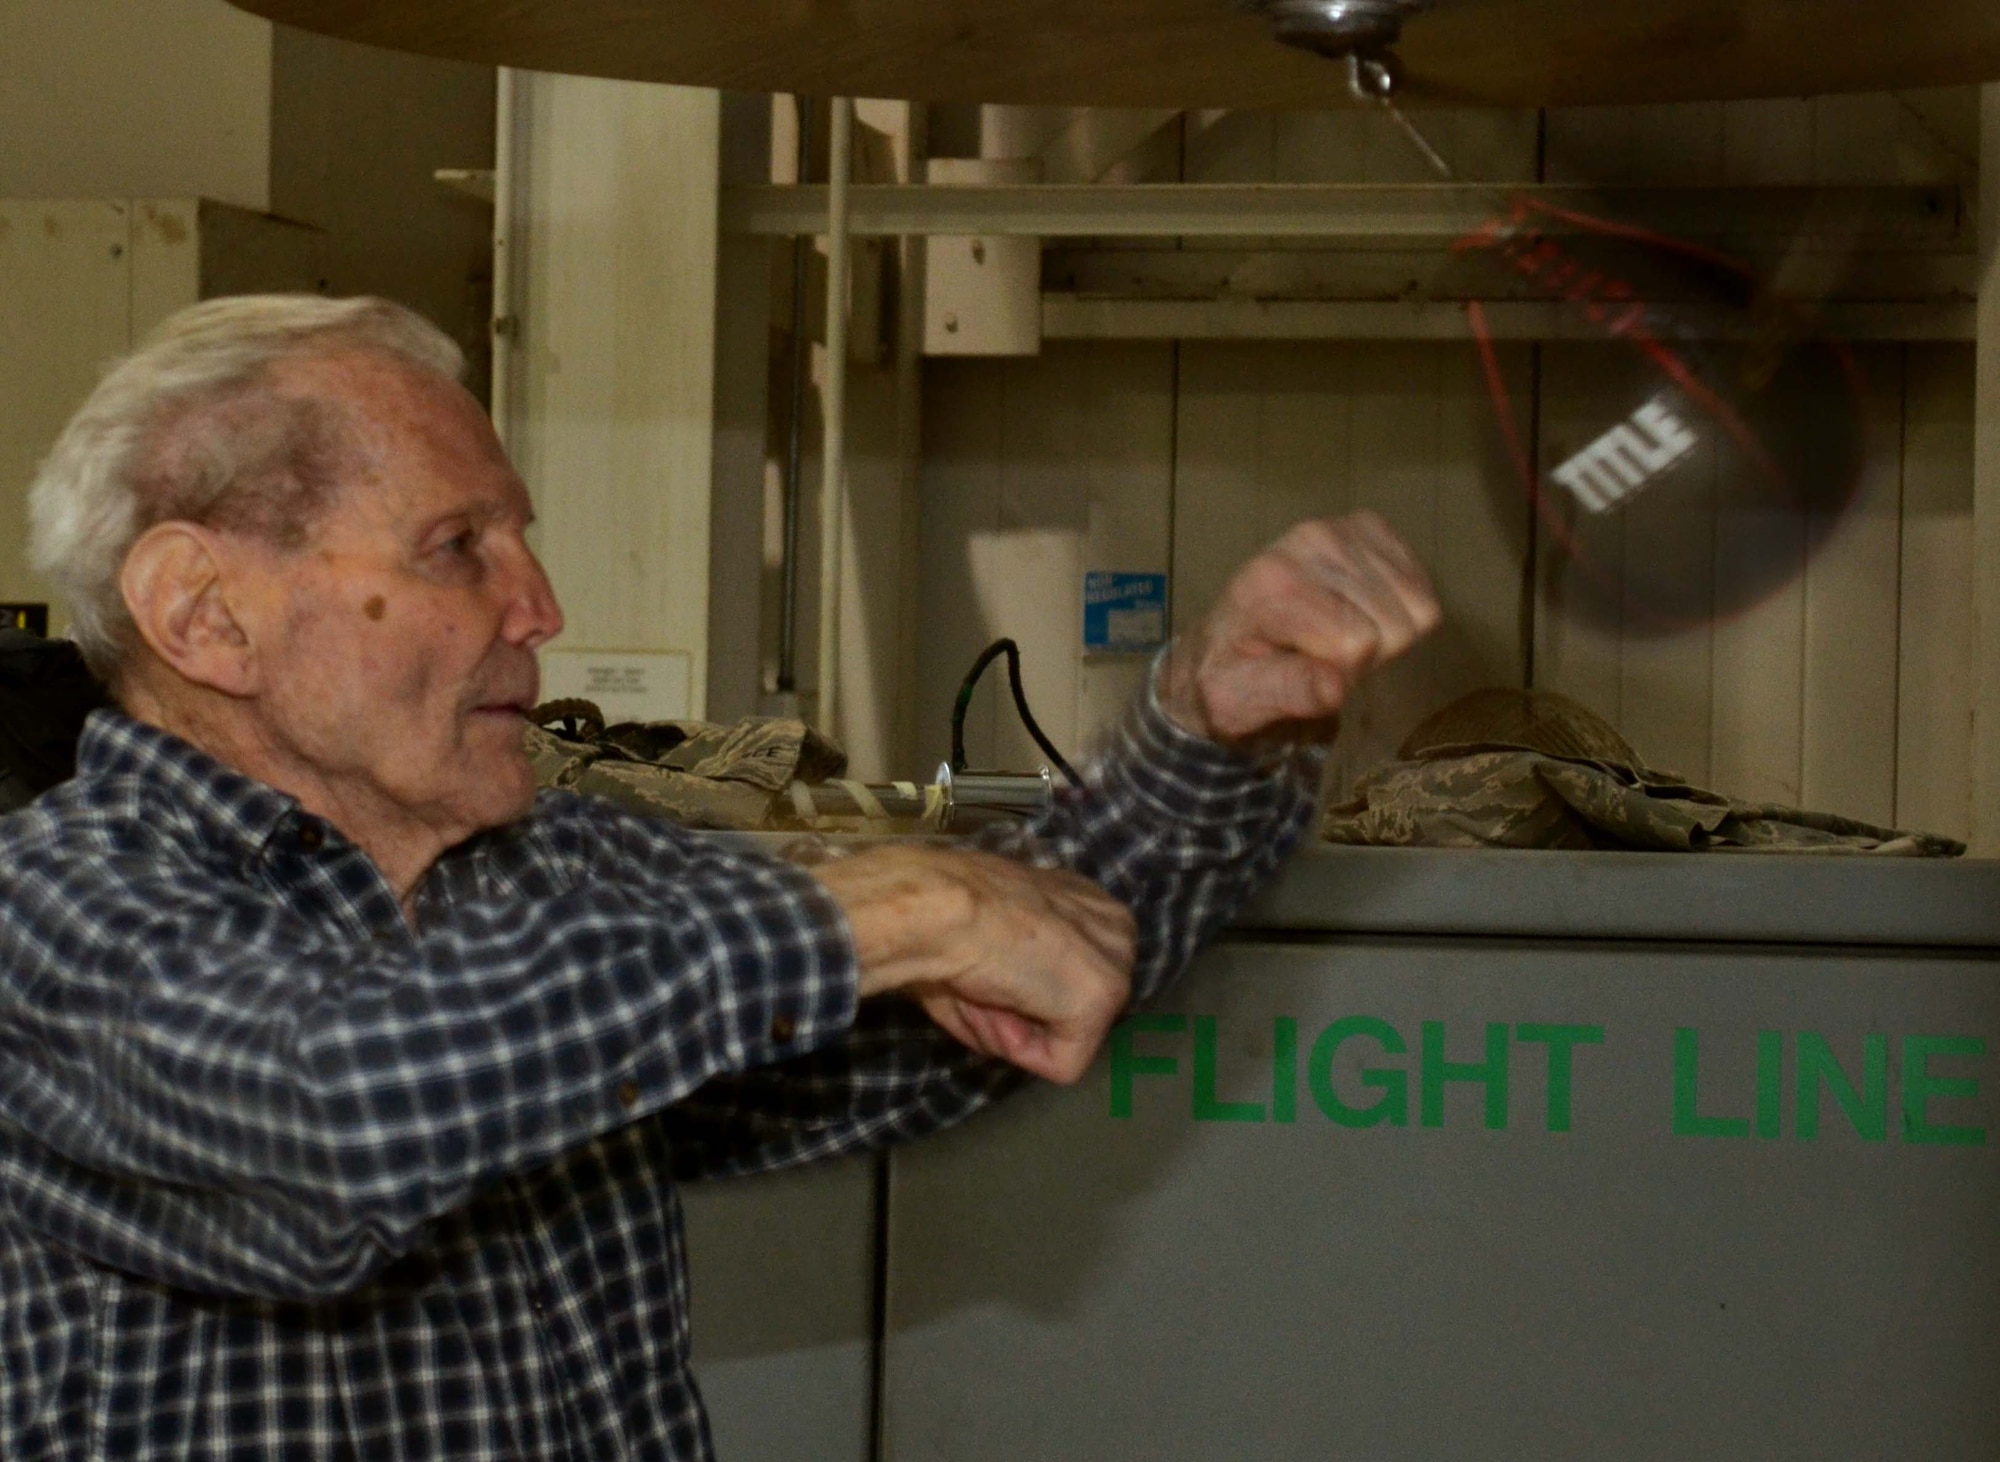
[1296,630]
[1025,964]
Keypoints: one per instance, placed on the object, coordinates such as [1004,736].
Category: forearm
[1175,824]
[1180,829]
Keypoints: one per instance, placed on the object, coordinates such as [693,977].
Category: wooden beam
[1072,317]
[1986,499]
[1363,214]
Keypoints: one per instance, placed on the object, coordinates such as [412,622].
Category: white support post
[1986,499]
[833,399]
[742,411]
[613,392]
[504,325]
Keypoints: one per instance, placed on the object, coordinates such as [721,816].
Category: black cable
[971,683]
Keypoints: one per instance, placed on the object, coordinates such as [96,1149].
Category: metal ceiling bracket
[1336,28]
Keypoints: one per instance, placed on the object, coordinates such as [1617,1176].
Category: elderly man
[344,1081]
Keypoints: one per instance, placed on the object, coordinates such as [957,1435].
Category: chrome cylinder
[975,796]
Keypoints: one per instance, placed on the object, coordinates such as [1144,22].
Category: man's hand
[1024,964]
[1296,630]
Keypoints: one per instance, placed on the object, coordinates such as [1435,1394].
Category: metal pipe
[833,406]
[1022,794]
[802,250]
[955,802]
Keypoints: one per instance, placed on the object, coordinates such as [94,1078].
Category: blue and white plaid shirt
[281,1177]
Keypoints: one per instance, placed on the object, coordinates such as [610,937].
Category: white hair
[189,428]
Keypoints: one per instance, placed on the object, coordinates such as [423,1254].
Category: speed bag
[1705,439]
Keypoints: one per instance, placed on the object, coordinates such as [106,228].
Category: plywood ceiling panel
[1188,53]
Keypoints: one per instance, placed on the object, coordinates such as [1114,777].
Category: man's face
[397,655]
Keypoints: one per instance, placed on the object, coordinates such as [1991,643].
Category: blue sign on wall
[1124,613]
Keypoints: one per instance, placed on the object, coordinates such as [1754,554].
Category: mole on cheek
[376,607]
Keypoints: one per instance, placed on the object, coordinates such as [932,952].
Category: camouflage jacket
[1523,799]
[695,773]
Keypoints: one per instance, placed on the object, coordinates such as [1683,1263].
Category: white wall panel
[1036,471]
[1272,435]
[1802,692]
[356,135]
[83,282]
[1938,668]
[1847,688]
[1853,589]
[65,310]
[135,99]
[612,409]
[1985,522]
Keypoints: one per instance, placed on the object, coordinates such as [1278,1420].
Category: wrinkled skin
[404,659]
[1297,630]
[381,670]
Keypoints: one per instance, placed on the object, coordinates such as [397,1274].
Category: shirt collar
[173,778]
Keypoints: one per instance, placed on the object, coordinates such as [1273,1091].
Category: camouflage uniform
[695,773]
[758,774]
[1529,769]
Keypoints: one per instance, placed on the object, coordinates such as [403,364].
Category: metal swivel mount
[1337,28]
[1363,33]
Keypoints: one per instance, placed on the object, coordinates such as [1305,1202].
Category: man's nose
[533,615]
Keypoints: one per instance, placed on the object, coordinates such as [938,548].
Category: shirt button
[628,1094]
[783,1029]
[311,838]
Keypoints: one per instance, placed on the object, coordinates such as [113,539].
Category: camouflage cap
[1506,719]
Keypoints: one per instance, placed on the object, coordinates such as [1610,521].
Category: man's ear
[176,588]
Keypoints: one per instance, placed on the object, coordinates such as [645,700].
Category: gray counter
[1758,897]
[782,1278]
[1498,1155]
[1725,1187]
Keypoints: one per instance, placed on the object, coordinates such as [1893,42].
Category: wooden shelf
[1361,215]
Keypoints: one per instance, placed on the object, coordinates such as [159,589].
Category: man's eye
[459,544]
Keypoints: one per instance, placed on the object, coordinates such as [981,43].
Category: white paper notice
[627,685]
